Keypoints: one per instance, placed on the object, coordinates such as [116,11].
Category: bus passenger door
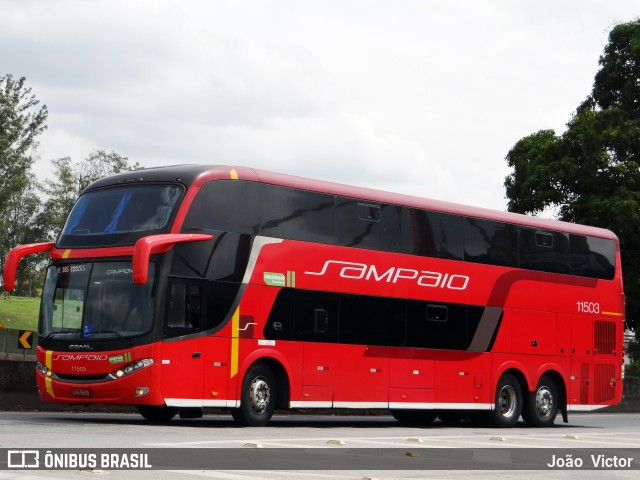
[182,355]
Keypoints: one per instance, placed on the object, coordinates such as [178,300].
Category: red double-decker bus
[185,287]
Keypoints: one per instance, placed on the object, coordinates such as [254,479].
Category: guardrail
[18,345]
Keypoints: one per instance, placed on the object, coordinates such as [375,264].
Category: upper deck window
[225,205]
[297,214]
[367,225]
[120,215]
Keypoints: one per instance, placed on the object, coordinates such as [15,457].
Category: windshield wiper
[51,334]
[113,332]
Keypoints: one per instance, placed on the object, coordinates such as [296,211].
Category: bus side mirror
[13,258]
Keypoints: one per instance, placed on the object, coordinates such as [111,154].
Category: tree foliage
[591,173]
[21,121]
[24,221]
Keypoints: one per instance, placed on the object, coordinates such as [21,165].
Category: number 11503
[588,307]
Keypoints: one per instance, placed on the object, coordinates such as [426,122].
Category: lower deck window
[328,317]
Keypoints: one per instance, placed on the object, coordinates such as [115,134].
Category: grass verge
[19,313]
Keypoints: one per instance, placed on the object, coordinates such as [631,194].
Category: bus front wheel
[508,402]
[542,404]
[258,397]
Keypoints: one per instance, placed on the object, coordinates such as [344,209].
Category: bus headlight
[132,367]
[43,369]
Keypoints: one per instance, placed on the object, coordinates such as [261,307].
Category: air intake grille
[605,337]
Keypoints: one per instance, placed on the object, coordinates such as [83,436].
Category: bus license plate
[81,392]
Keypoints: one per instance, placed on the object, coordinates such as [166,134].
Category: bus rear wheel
[157,413]
[508,402]
[258,397]
[542,404]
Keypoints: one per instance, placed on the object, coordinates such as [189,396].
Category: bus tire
[542,404]
[157,413]
[414,417]
[257,398]
[508,402]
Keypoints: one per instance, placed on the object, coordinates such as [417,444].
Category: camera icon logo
[23,459]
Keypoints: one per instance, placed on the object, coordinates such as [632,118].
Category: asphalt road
[336,447]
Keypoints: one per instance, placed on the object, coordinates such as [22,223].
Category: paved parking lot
[370,440]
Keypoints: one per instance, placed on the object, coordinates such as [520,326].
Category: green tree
[72,178]
[23,222]
[591,173]
[21,121]
[633,368]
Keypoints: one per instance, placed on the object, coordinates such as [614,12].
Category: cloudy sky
[424,97]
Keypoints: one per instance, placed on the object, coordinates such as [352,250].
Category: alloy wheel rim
[544,401]
[260,394]
[507,401]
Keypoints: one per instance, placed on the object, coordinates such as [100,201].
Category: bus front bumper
[138,388]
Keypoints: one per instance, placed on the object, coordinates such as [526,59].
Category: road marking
[251,474]
[435,441]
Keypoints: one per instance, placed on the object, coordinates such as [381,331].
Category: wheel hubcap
[544,401]
[260,394]
[507,401]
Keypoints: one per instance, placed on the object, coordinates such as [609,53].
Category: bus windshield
[120,215]
[95,301]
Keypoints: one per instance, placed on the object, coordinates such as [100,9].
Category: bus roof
[198,174]
[431,204]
